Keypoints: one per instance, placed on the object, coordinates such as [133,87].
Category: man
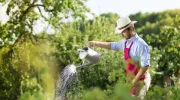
[136,55]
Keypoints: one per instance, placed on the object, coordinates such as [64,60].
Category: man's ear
[133,28]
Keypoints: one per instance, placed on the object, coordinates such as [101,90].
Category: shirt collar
[133,38]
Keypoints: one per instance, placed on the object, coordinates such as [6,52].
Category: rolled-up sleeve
[144,56]
[117,45]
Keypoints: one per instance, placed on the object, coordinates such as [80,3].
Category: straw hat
[122,24]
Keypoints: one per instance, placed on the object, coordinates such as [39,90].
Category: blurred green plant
[30,64]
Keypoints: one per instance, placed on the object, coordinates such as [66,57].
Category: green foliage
[9,75]
[29,64]
[29,73]
[161,31]
[120,91]
[112,17]
[160,55]
[24,14]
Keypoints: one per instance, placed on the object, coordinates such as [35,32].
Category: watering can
[88,54]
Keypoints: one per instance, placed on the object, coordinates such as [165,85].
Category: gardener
[136,55]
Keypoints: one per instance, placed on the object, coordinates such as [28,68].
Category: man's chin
[127,38]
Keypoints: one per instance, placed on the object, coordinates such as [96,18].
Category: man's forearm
[106,45]
[141,72]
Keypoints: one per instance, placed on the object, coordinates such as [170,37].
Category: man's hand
[92,43]
[133,82]
[141,72]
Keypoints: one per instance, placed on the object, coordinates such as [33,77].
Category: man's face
[126,33]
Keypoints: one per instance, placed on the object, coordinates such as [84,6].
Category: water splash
[64,81]
[68,74]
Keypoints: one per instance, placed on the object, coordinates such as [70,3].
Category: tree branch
[41,5]
[41,13]
[27,10]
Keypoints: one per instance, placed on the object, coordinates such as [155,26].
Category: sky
[3,15]
[121,7]
[127,7]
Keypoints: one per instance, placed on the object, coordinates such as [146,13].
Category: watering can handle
[83,65]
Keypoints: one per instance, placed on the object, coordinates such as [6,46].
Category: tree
[19,72]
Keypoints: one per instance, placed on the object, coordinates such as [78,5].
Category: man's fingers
[91,43]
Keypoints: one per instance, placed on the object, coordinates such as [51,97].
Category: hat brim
[119,31]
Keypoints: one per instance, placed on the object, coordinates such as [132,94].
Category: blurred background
[38,38]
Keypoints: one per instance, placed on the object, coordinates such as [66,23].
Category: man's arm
[141,72]
[106,45]
[144,62]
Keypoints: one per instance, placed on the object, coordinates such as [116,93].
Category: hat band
[125,26]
